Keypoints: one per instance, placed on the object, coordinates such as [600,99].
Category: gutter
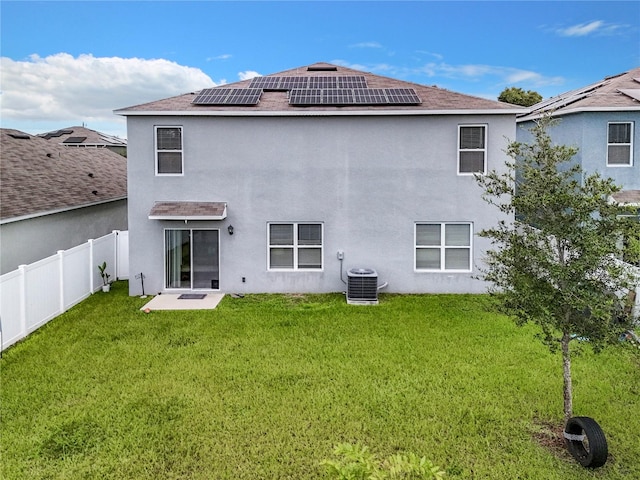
[559,113]
[5,221]
[315,113]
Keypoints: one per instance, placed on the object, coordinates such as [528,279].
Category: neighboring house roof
[616,93]
[274,99]
[40,177]
[627,197]
[82,136]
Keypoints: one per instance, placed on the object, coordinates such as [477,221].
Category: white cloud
[596,27]
[581,29]
[61,89]
[499,75]
[248,75]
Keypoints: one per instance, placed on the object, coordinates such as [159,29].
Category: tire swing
[586,442]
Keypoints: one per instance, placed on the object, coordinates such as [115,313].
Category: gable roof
[432,99]
[39,177]
[616,93]
[74,136]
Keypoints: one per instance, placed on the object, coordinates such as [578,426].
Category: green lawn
[264,386]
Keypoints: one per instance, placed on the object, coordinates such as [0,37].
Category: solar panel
[354,96]
[323,82]
[267,83]
[352,82]
[305,96]
[289,82]
[228,96]
[75,140]
[369,96]
[337,96]
[402,96]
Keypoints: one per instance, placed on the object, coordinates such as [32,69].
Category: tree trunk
[568,388]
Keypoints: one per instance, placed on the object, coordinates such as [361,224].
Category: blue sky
[65,62]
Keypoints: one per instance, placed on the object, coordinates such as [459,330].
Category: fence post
[115,253]
[23,300]
[61,270]
[91,285]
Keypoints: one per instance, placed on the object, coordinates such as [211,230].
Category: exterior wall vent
[362,286]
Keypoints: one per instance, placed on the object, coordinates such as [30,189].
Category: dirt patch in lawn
[549,435]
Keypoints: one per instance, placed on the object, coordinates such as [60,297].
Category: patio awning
[188,211]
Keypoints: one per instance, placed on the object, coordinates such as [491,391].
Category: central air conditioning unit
[362,286]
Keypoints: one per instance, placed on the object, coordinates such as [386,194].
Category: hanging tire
[586,442]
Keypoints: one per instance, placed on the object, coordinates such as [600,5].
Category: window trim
[295,247]
[630,144]
[442,247]
[484,150]
[156,151]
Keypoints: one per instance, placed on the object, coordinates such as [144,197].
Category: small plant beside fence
[36,293]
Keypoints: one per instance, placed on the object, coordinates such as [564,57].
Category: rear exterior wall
[367,179]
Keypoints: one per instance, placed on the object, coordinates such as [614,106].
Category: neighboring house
[287,182]
[54,198]
[602,121]
[82,137]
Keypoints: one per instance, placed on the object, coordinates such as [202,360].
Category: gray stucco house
[55,198]
[600,119]
[293,181]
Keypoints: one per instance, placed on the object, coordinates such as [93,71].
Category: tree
[555,266]
[518,96]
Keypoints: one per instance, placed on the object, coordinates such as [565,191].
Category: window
[295,246]
[472,149]
[619,144]
[169,150]
[443,247]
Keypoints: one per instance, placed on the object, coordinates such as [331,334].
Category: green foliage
[630,227]
[105,276]
[517,96]
[557,266]
[358,463]
[264,386]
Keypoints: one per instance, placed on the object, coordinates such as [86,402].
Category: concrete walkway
[172,302]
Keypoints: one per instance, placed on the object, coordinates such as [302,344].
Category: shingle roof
[85,136]
[619,92]
[188,210]
[627,197]
[39,176]
[433,99]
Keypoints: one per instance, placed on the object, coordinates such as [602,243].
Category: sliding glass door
[192,259]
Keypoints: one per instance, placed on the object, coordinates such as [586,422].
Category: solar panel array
[354,96]
[228,96]
[312,90]
[289,83]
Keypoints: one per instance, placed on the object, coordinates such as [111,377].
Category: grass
[264,386]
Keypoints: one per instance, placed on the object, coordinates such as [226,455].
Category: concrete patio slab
[172,302]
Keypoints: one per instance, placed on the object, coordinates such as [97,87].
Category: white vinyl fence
[34,294]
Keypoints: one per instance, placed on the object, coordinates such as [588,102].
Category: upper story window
[169,151]
[472,149]
[443,246]
[295,246]
[620,144]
